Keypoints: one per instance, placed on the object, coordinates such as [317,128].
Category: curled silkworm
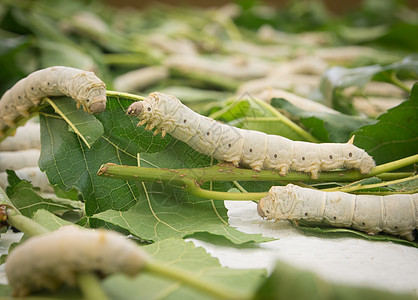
[246,147]
[394,214]
[49,260]
[84,87]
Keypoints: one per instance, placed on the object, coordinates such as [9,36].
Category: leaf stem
[24,224]
[228,173]
[286,121]
[124,95]
[90,286]
[184,277]
[191,179]
[395,80]
[359,186]
[16,219]
[397,164]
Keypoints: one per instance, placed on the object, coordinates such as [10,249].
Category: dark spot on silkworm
[303,157]
[32,88]
[275,155]
[48,83]
[363,224]
[19,97]
[350,154]
[335,218]
[396,227]
[87,100]
[330,157]
[267,211]
[208,133]
[229,145]
[184,121]
[251,150]
[306,214]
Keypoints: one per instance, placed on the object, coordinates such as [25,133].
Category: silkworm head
[367,163]
[260,207]
[98,104]
[135,109]
[357,158]
[265,207]
[280,203]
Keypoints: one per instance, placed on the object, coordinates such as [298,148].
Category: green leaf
[87,127]
[254,114]
[24,197]
[60,54]
[340,77]
[332,232]
[326,127]
[411,185]
[400,36]
[270,126]
[153,211]
[70,164]
[287,282]
[395,135]
[10,49]
[337,78]
[184,256]
[236,109]
[49,220]
[169,212]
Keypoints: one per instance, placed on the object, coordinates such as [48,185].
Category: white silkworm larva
[247,147]
[84,87]
[394,214]
[49,260]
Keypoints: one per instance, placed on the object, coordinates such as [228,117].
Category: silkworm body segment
[394,214]
[49,260]
[246,147]
[84,87]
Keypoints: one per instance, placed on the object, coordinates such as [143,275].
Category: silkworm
[49,260]
[394,214]
[239,68]
[84,87]
[246,147]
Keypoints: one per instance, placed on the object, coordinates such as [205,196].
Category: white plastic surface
[355,261]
